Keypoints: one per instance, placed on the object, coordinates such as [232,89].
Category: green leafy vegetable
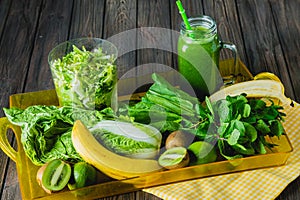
[169,108]
[84,78]
[250,132]
[233,137]
[129,139]
[46,130]
[243,125]
[238,125]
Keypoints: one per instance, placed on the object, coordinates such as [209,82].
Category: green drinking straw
[183,15]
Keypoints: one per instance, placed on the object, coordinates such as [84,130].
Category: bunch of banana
[114,165]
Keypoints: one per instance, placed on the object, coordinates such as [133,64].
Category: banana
[113,165]
[266,75]
[255,88]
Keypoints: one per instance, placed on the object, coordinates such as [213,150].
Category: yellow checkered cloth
[263,184]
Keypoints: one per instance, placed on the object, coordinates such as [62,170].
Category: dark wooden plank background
[266,33]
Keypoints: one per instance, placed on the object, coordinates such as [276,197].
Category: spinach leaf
[262,127]
[238,124]
[223,110]
[165,105]
[234,137]
[250,132]
[276,128]
[243,124]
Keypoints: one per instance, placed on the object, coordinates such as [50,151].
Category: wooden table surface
[266,32]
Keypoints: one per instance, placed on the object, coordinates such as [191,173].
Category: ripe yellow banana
[255,88]
[114,165]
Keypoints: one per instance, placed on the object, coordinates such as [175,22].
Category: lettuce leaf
[85,78]
[46,130]
[128,138]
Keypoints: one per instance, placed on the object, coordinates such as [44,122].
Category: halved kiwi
[175,157]
[56,175]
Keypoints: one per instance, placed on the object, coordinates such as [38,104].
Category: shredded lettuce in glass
[85,78]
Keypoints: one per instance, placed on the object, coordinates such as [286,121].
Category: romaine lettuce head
[133,140]
[46,130]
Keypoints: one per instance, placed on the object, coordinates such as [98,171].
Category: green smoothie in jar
[198,55]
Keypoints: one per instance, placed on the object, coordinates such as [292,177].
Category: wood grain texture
[11,188]
[53,28]
[265,31]
[153,39]
[287,21]
[226,16]
[192,8]
[264,51]
[87,19]
[119,23]
[17,43]
[5,5]
[154,14]
[3,164]
[4,11]
[18,40]
[120,16]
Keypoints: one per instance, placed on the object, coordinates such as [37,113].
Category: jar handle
[231,78]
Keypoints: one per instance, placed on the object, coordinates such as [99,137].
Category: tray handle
[4,143]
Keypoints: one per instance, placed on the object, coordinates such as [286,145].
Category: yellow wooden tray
[27,171]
